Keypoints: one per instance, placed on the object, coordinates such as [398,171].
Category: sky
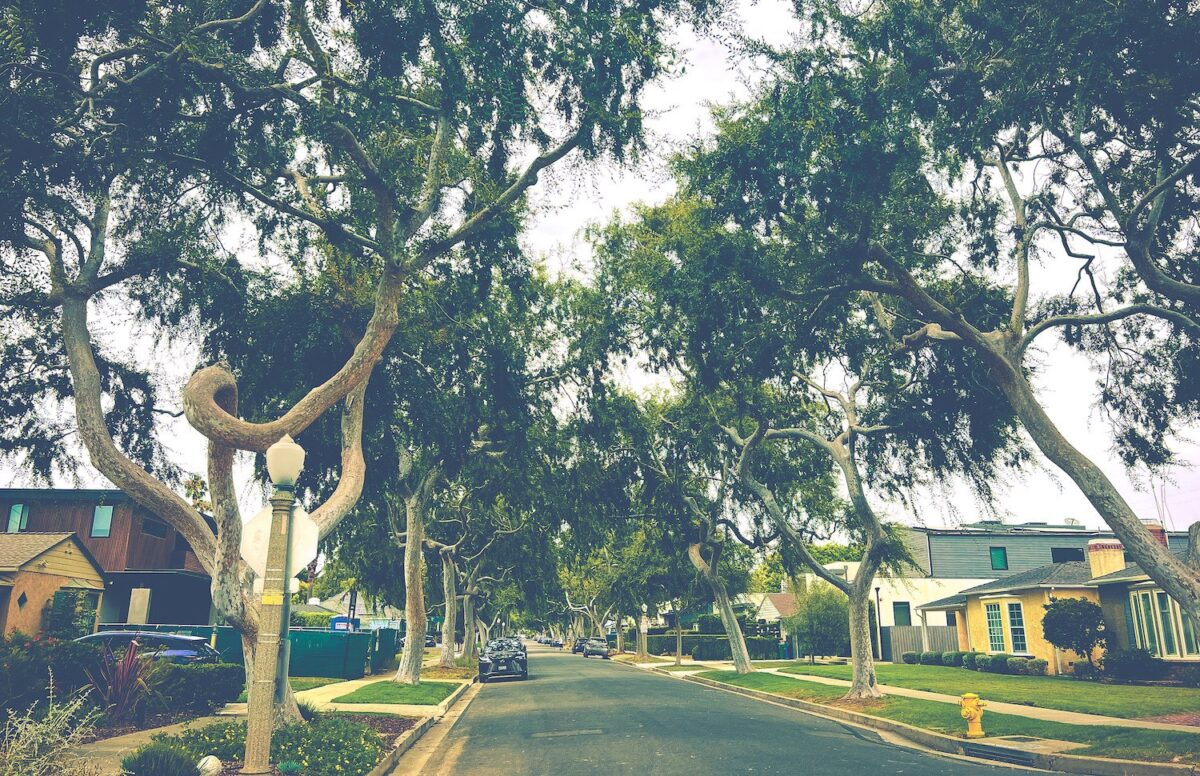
[572,197]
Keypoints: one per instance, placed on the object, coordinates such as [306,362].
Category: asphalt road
[583,717]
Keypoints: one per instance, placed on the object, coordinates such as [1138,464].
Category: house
[151,573]
[765,608]
[1139,614]
[34,568]
[1004,616]
[371,614]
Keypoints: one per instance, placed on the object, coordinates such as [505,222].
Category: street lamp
[285,459]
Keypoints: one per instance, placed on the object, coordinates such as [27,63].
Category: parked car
[165,646]
[596,647]
[557,643]
[577,647]
[501,658]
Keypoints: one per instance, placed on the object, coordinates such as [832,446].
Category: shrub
[983,662]
[39,740]
[1075,624]
[999,663]
[158,759]
[717,648]
[709,623]
[968,660]
[1085,671]
[952,658]
[1036,666]
[1018,665]
[931,658]
[1189,676]
[911,658]
[311,619]
[201,688]
[1135,664]
[31,664]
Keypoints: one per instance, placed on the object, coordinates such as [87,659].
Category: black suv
[503,657]
[166,646]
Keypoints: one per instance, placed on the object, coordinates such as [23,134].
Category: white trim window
[1160,627]
[1016,628]
[995,627]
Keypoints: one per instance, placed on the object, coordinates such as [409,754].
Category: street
[593,716]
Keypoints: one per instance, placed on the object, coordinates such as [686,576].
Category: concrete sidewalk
[998,707]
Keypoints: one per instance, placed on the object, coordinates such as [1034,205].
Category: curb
[996,751]
[409,738]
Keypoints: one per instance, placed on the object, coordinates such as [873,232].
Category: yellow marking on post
[272,599]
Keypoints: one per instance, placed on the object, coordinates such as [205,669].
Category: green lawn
[1112,700]
[423,694]
[1102,740]
[689,666]
[300,683]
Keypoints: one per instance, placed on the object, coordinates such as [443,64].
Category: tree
[821,621]
[1076,624]
[383,136]
[768,575]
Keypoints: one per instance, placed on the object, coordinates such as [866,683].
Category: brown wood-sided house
[34,567]
[151,574]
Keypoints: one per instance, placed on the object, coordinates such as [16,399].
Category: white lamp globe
[285,459]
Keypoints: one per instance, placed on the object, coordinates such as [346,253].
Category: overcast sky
[573,197]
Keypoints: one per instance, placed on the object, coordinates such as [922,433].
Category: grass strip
[1048,692]
[301,683]
[423,694]
[1101,740]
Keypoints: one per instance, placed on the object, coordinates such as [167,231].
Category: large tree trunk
[485,631]
[678,639]
[620,634]
[288,710]
[733,630]
[470,650]
[1176,577]
[863,683]
[413,654]
[450,594]
[643,650]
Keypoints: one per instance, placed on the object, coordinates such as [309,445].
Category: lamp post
[878,626]
[285,459]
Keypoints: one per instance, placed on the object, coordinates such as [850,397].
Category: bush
[1189,676]
[709,623]
[1036,666]
[311,619]
[122,682]
[199,688]
[1135,664]
[911,658]
[968,660]
[1086,671]
[952,658]
[1018,665]
[28,664]
[931,658]
[1075,624]
[717,648]
[983,662]
[998,664]
[158,759]
[39,740]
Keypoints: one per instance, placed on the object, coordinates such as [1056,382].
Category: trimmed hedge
[969,660]
[1037,666]
[199,687]
[759,648]
[931,658]
[1018,665]
[158,759]
[952,658]
[1136,664]
[311,619]
[994,664]
[911,658]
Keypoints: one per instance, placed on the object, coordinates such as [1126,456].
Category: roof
[17,549]
[109,495]
[949,602]
[311,609]
[340,604]
[996,528]
[1131,573]
[1074,573]
[784,603]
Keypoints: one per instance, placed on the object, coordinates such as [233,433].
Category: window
[1189,635]
[951,620]
[901,613]
[102,522]
[1145,617]
[1065,554]
[18,518]
[156,528]
[1016,628]
[1170,645]
[999,558]
[995,628]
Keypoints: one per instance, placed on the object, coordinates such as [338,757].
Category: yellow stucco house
[36,566]
[1005,615]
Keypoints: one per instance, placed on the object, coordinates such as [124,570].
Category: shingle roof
[949,602]
[784,603]
[17,549]
[1074,573]
[1130,573]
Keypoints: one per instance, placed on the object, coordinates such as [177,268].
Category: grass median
[1100,740]
[302,683]
[1110,700]
[423,694]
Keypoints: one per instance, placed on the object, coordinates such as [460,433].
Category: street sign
[304,539]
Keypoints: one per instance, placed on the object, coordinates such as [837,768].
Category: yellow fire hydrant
[972,712]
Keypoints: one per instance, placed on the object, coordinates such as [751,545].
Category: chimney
[1105,556]
[1156,530]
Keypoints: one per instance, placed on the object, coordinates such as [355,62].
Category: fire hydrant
[972,712]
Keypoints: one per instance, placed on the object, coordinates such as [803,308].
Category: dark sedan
[596,647]
[577,647]
[501,658]
[166,646]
